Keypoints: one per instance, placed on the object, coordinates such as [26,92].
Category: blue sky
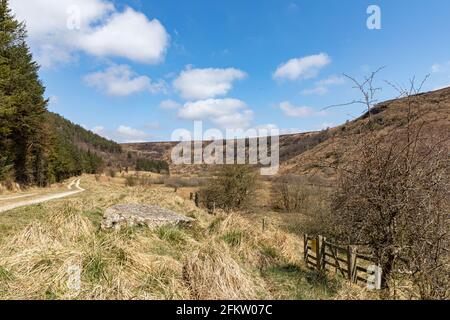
[137,70]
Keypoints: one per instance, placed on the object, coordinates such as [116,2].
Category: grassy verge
[220,257]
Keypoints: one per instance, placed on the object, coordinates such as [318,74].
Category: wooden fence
[344,260]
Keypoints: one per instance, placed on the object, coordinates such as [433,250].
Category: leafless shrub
[131,181]
[290,193]
[112,173]
[393,198]
[232,187]
[185,182]
[136,180]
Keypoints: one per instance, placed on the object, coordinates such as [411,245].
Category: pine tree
[37,147]
[22,113]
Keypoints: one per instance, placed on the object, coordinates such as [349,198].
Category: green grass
[234,238]
[269,251]
[5,275]
[292,282]
[215,225]
[13,221]
[95,216]
[95,268]
[173,235]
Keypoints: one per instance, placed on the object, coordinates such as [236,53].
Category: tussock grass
[221,257]
[212,273]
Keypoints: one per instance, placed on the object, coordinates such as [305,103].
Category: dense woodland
[37,147]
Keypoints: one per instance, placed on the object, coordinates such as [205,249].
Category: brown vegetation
[231,187]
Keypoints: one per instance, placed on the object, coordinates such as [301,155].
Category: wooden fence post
[263,225]
[212,208]
[197,200]
[191,196]
[305,248]
[319,244]
[351,261]
[323,256]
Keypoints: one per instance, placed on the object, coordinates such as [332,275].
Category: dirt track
[74,186]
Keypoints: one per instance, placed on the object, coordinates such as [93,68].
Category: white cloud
[130,35]
[291,131]
[332,80]
[302,68]
[128,134]
[121,80]
[322,86]
[441,87]
[169,105]
[435,68]
[196,84]
[53,100]
[319,90]
[60,29]
[440,67]
[153,126]
[326,125]
[225,113]
[298,112]
[98,130]
[293,7]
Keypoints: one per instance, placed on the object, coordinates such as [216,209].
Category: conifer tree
[22,106]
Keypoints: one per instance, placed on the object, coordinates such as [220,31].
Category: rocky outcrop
[129,215]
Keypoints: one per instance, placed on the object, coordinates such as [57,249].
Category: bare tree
[231,187]
[393,198]
[366,88]
[290,193]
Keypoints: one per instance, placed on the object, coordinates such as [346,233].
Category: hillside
[431,109]
[300,153]
[77,150]
[83,138]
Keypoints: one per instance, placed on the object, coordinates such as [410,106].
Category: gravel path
[74,186]
[17,197]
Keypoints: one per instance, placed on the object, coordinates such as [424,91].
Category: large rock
[130,215]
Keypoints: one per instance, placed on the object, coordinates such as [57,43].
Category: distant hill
[431,108]
[299,153]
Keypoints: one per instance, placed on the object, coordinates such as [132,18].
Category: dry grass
[220,257]
[212,273]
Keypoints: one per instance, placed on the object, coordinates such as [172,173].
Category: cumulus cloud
[435,68]
[322,86]
[121,80]
[225,113]
[128,135]
[197,84]
[130,35]
[95,27]
[298,112]
[98,130]
[326,125]
[332,80]
[440,67]
[302,68]
[318,90]
[53,100]
[169,105]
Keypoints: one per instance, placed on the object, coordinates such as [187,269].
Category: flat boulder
[129,215]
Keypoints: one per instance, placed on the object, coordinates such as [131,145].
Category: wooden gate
[325,256]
